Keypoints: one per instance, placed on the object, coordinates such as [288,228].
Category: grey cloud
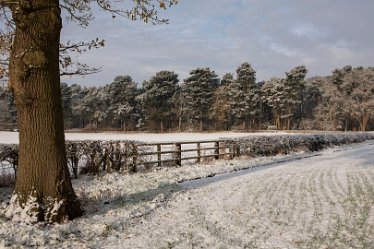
[274,36]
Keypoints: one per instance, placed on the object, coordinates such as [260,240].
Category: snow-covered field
[324,200]
[12,137]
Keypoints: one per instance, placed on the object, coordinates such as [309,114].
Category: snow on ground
[324,200]
[311,203]
[12,137]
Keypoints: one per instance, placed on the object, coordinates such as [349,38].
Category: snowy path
[325,200]
[318,202]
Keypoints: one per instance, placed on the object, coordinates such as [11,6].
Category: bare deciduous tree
[30,31]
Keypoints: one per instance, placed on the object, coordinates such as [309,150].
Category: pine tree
[227,79]
[274,97]
[326,98]
[121,103]
[293,89]
[79,117]
[356,86]
[199,90]
[244,95]
[179,102]
[157,99]
[221,111]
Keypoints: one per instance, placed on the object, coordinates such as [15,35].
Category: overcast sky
[272,35]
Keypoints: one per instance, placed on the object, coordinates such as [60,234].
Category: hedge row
[283,144]
[125,156]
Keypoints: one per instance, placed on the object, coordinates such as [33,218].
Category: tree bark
[333,122]
[364,120]
[124,128]
[277,119]
[43,176]
[180,124]
[289,118]
[161,126]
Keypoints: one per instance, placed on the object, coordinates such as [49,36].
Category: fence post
[237,150]
[216,150]
[178,154]
[231,151]
[198,159]
[126,155]
[134,153]
[107,159]
[117,157]
[159,155]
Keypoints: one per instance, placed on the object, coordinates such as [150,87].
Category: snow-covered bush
[85,156]
[273,145]
[98,156]
[8,163]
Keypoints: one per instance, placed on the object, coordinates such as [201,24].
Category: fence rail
[178,154]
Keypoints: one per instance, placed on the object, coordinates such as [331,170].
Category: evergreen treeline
[343,100]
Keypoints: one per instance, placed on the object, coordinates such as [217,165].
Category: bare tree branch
[80,70]
[81,12]
[81,47]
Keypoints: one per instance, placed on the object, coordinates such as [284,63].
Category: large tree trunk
[43,178]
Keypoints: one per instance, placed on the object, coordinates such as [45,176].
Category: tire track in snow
[324,203]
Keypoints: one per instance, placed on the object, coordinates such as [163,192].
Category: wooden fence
[131,156]
[175,153]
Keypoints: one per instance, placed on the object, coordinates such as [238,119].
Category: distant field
[12,137]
